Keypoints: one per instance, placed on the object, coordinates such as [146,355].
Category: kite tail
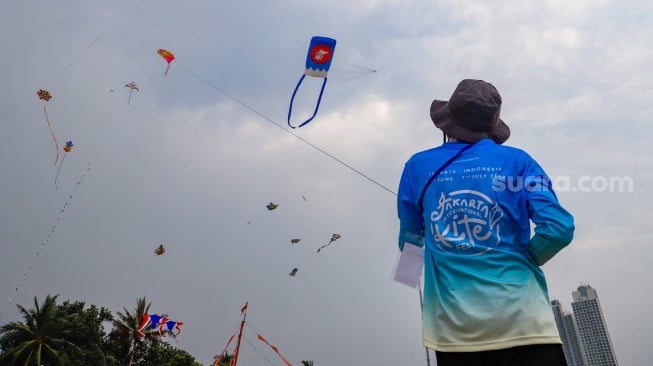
[317,105]
[167,68]
[51,133]
[130,96]
[58,170]
[325,245]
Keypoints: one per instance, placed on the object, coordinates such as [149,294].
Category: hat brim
[444,120]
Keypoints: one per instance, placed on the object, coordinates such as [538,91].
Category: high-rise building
[592,328]
[571,342]
[584,333]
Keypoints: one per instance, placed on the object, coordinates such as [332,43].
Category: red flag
[244,308]
[260,337]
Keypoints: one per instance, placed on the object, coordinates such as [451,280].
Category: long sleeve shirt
[490,219]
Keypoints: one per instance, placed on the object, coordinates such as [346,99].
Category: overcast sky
[195,156]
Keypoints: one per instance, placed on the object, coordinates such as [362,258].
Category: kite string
[42,247]
[262,339]
[270,120]
[58,170]
[56,144]
[258,351]
[65,69]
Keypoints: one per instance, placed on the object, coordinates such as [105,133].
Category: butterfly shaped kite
[318,62]
[168,56]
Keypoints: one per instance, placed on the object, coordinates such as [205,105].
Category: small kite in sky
[318,62]
[160,250]
[293,272]
[334,237]
[132,86]
[168,56]
[271,206]
[295,240]
[46,96]
[67,148]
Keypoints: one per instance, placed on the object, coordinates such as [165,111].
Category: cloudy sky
[195,156]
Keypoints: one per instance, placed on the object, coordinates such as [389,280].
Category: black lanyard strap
[437,172]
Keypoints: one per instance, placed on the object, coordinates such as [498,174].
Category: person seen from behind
[471,203]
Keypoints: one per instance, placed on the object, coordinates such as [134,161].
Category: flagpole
[240,334]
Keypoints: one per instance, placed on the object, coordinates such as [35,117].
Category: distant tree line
[73,334]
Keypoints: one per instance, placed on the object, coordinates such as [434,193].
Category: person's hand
[408,237]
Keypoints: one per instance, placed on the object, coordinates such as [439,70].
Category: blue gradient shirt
[483,286]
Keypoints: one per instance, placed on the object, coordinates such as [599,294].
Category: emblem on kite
[318,62]
[46,96]
[132,86]
[168,56]
[160,250]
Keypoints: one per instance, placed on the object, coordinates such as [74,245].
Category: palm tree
[127,325]
[33,342]
[223,359]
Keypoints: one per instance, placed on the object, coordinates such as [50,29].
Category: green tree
[163,354]
[224,361]
[127,342]
[34,341]
[84,327]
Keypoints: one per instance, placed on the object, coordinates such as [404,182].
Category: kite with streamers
[160,250]
[68,148]
[318,62]
[334,237]
[132,86]
[46,96]
[159,322]
[168,56]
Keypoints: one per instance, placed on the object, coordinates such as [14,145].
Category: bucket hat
[472,113]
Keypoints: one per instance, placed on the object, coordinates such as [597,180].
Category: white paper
[409,266]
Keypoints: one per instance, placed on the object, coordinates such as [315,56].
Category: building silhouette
[584,333]
[571,342]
